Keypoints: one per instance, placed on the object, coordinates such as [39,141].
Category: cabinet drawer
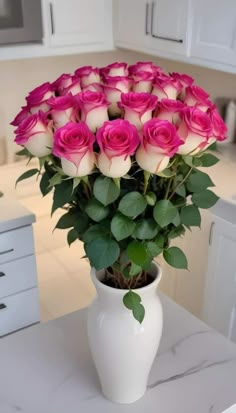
[16,243]
[17,275]
[19,310]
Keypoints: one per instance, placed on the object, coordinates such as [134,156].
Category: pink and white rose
[63,109]
[23,114]
[35,134]
[73,144]
[164,87]
[219,128]
[184,80]
[113,87]
[144,67]
[195,129]
[195,95]
[94,87]
[115,69]
[37,98]
[88,75]
[160,141]
[62,82]
[168,109]
[137,107]
[118,140]
[74,88]
[93,106]
[142,81]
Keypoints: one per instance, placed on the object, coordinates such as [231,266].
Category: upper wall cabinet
[168,25]
[214,30]
[74,22]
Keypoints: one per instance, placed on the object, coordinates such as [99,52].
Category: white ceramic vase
[123,349]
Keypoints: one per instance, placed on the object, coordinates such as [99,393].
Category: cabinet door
[220,294]
[214,30]
[76,22]
[169,25]
[131,23]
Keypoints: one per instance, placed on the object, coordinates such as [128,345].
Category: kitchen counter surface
[47,368]
[13,215]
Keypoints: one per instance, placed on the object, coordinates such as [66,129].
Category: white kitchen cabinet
[219,309]
[75,22]
[169,26]
[214,31]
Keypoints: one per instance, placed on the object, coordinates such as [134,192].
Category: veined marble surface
[47,368]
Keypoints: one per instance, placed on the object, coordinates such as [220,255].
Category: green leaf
[176,232]
[27,174]
[55,179]
[151,198]
[181,191]
[134,269]
[198,181]
[121,226]
[133,302]
[205,199]
[166,173]
[81,223]
[62,194]
[160,240]
[105,190]
[24,152]
[67,220]
[96,211]
[95,231]
[137,252]
[132,204]
[190,216]
[164,212]
[153,248]
[145,229]
[207,159]
[44,183]
[72,236]
[76,182]
[102,252]
[175,257]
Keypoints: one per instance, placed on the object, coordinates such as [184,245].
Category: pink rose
[195,95]
[35,133]
[164,87]
[143,67]
[115,69]
[113,87]
[73,143]
[62,82]
[219,128]
[87,75]
[142,82]
[23,114]
[137,107]
[37,98]
[195,129]
[74,88]
[118,140]
[184,81]
[94,87]
[63,109]
[160,141]
[168,109]
[93,106]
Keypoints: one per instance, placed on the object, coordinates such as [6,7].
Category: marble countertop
[47,368]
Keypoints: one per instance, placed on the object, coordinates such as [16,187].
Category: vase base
[123,399]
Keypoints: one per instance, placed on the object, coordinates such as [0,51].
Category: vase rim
[155,268]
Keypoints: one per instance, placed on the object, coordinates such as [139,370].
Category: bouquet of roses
[121,146]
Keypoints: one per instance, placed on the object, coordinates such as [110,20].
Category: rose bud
[35,134]
[113,87]
[74,88]
[142,82]
[138,107]
[62,82]
[195,129]
[73,143]
[184,80]
[63,109]
[143,67]
[168,109]
[219,128]
[159,142]
[87,75]
[23,114]
[37,98]
[118,140]
[114,69]
[195,95]
[164,87]
[93,106]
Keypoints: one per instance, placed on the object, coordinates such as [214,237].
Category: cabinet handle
[6,252]
[2,274]
[146,18]
[2,306]
[210,233]
[170,39]
[51,16]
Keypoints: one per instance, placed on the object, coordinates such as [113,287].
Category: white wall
[18,77]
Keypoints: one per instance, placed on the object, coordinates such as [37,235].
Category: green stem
[168,188]
[181,183]
[146,181]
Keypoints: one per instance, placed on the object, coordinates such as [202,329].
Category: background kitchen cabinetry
[214,31]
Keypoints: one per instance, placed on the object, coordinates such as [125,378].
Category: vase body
[123,349]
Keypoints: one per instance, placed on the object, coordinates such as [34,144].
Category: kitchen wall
[18,77]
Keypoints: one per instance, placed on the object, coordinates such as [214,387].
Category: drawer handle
[2,306]
[7,251]
[2,274]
